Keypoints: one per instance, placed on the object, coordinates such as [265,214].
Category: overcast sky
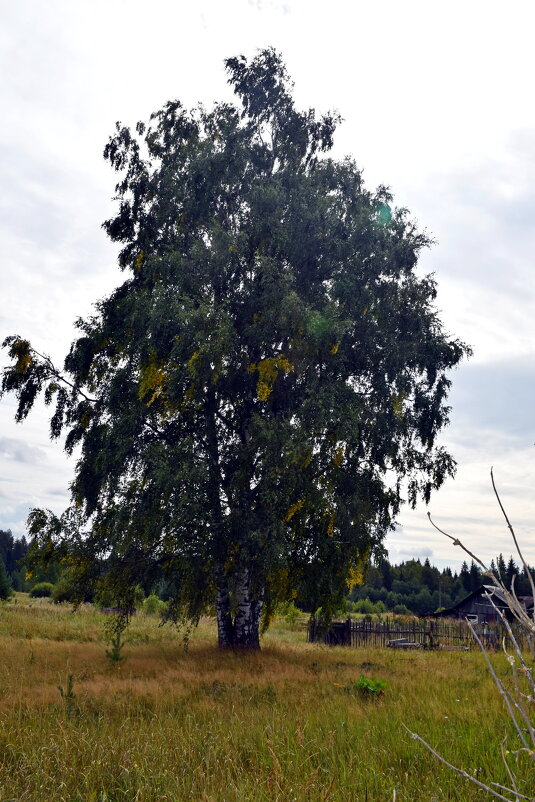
[437,101]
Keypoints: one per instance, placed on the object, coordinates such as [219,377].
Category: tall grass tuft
[68,696]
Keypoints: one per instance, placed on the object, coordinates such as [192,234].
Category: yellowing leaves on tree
[268,370]
[308,460]
[293,509]
[71,560]
[151,378]
[24,359]
[397,404]
[357,570]
[330,524]
[192,363]
[338,457]
[280,584]
[355,577]
[139,261]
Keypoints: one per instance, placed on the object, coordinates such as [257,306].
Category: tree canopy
[256,399]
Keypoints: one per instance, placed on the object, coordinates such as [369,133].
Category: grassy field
[166,724]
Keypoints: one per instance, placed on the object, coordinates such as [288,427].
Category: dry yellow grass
[166,724]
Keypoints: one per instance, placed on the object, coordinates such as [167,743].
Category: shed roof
[483,590]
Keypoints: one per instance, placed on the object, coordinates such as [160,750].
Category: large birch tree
[254,402]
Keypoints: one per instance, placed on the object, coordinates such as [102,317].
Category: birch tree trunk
[247,617]
[241,630]
[225,625]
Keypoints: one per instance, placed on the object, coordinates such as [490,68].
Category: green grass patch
[169,724]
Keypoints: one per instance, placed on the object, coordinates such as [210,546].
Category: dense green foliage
[12,553]
[42,589]
[6,588]
[257,398]
[368,687]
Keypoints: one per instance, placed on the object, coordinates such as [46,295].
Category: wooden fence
[424,633]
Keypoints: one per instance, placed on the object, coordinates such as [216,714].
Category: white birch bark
[248,611]
[225,625]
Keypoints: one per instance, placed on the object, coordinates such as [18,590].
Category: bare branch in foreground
[516,699]
[513,535]
[467,776]
[457,542]
[510,703]
[508,768]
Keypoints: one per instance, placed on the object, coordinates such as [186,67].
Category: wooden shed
[476,607]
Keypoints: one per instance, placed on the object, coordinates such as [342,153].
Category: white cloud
[434,98]
[18,450]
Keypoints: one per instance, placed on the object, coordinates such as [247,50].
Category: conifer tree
[430,576]
[464,576]
[501,567]
[475,576]
[5,584]
[511,572]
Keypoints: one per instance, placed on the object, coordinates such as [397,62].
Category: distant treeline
[410,587]
[12,553]
[420,588]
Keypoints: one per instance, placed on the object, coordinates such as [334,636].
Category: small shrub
[153,605]
[61,592]
[367,686]
[401,609]
[67,589]
[41,590]
[116,643]
[288,611]
[365,606]
[114,631]
[68,695]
